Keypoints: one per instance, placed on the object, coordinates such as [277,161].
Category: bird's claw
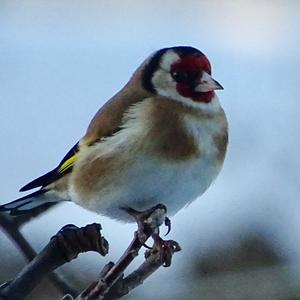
[168,224]
[163,250]
[146,246]
[148,222]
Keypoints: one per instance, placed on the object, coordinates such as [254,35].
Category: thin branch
[111,280]
[62,248]
[71,240]
[151,264]
[11,227]
[12,230]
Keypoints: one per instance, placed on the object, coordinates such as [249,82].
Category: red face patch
[193,65]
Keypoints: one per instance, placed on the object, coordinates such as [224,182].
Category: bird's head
[180,73]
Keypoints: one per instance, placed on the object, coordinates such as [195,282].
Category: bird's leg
[148,221]
[148,224]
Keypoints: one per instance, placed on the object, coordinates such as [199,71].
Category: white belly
[147,183]
[172,185]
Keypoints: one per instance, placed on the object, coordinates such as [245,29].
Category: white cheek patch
[162,80]
[165,85]
[168,59]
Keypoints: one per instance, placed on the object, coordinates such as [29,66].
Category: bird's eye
[184,76]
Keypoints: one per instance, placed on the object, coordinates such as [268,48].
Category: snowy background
[61,60]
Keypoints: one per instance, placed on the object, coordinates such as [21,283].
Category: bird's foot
[73,240]
[163,250]
[148,221]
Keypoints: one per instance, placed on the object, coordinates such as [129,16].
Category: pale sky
[61,60]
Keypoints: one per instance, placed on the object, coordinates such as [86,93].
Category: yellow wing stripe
[68,163]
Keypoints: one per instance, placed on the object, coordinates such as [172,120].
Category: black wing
[64,167]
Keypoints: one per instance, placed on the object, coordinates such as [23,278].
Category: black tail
[30,203]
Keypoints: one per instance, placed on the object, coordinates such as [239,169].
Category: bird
[161,139]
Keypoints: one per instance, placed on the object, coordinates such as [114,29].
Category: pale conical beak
[207,83]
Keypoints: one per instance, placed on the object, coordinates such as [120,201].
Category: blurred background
[61,60]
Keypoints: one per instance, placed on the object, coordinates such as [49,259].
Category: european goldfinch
[161,139]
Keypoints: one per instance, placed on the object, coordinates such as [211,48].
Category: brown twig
[152,262]
[98,289]
[63,247]
[71,241]
[11,227]
[12,230]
